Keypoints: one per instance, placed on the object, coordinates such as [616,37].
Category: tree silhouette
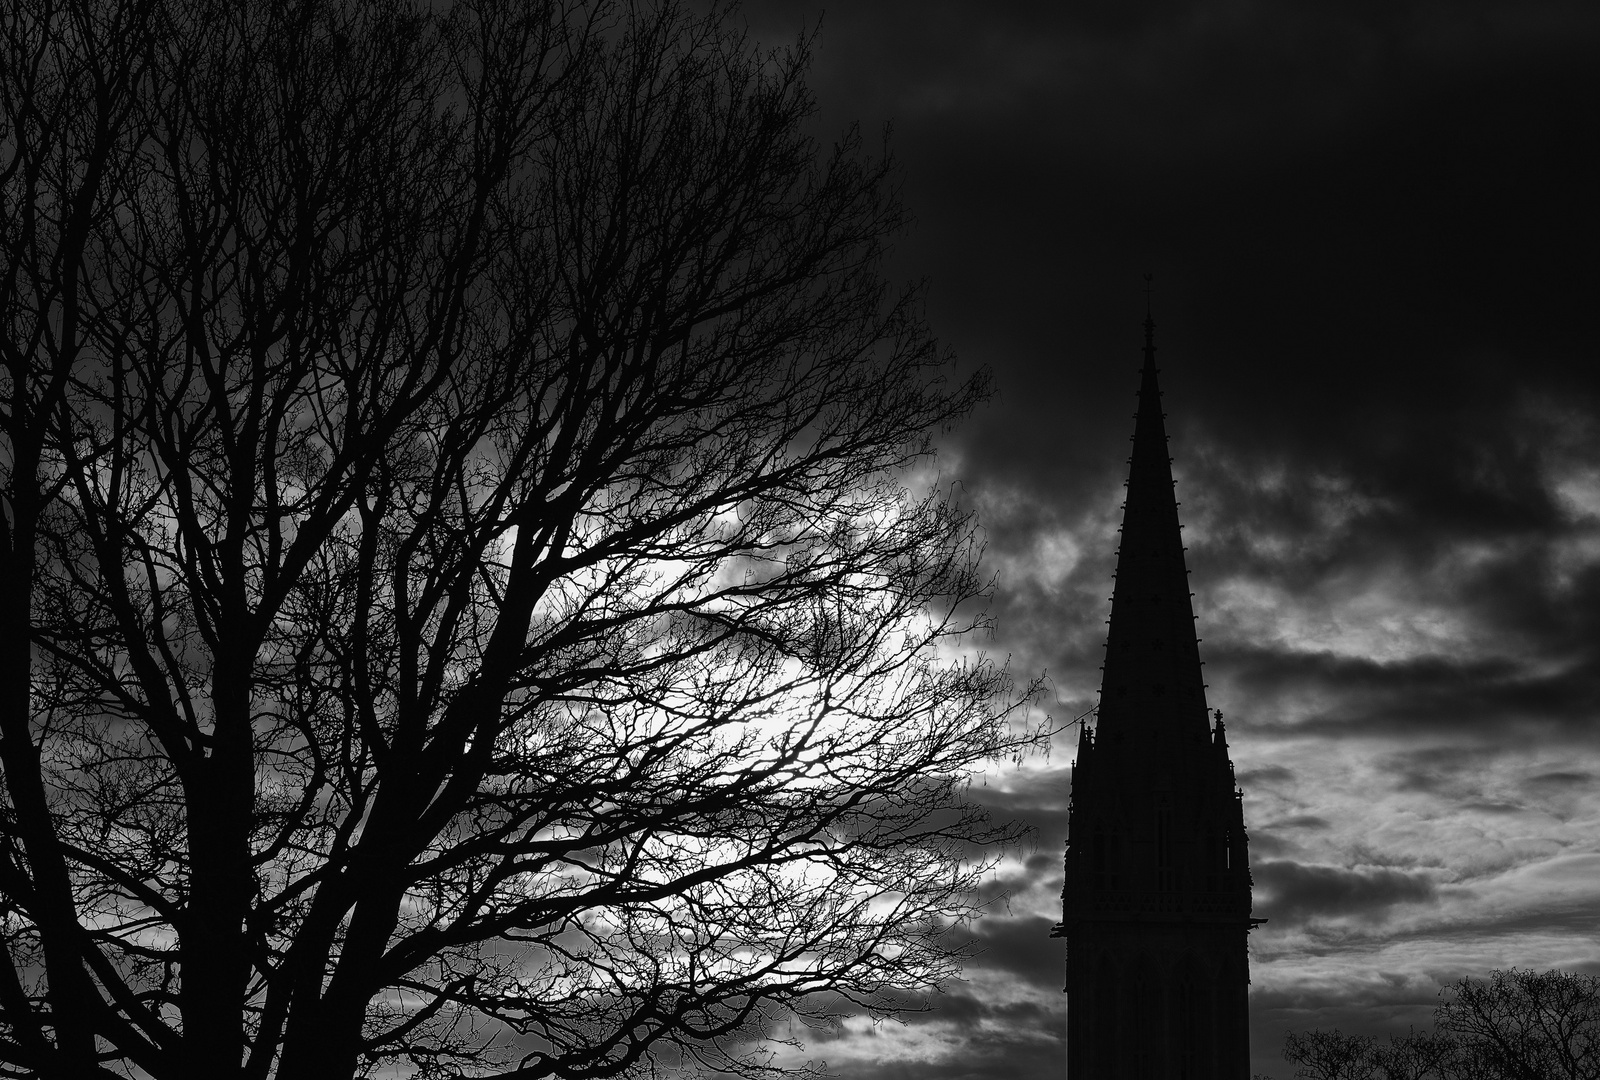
[1528,1025]
[467,607]
[1516,1025]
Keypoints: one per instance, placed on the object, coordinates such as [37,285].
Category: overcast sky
[1373,227]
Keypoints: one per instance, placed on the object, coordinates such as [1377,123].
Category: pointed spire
[1152,688]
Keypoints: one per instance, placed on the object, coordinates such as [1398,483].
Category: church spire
[1155,903]
[1156,896]
[1152,688]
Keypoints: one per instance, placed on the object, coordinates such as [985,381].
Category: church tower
[1156,907]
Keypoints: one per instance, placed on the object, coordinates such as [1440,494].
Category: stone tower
[1156,907]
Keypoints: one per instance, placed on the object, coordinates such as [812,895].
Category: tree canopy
[474,600]
[1515,1025]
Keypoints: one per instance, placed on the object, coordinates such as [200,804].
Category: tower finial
[1149,327]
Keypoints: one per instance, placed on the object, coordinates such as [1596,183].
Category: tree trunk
[69,992]
[215,948]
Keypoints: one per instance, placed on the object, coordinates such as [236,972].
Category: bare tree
[1528,1025]
[473,605]
[1516,1025]
[1330,1055]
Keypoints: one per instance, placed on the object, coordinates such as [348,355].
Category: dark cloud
[1414,480]
[1428,693]
[1268,774]
[1388,991]
[1266,845]
[1291,892]
[968,1012]
[1575,920]
[1022,948]
[1299,821]
[1561,779]
[1039,797]
[1451,770]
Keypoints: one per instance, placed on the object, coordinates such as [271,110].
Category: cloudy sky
[1373,227]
